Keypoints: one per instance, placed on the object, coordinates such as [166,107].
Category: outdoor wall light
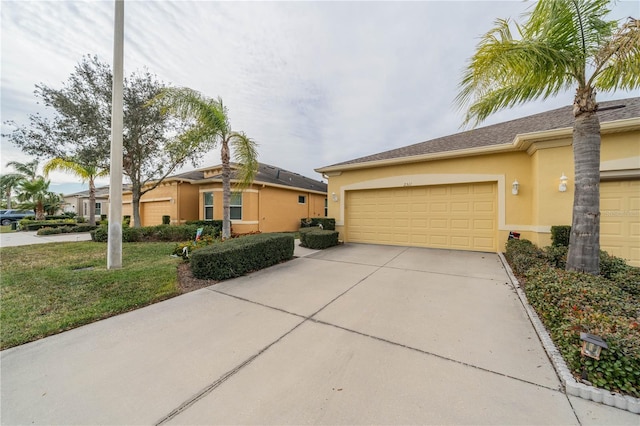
[563,183]
[592,345]
[515,186]
[334,197]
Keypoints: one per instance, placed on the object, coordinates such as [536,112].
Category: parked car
[10,216]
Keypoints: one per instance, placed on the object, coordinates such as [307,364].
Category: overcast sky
[313,82]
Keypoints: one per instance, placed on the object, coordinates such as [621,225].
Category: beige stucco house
[467,191]
[275,201]
[78,203]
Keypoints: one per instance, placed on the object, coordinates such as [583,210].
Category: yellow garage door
[151,212]
[620,219]
[461,216]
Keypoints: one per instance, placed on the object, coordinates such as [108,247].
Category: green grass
[6,229]
[49,288]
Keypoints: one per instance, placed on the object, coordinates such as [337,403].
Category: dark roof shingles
[503,133]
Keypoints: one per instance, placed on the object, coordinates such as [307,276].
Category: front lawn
[49,288]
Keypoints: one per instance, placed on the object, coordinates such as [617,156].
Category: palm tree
[8,183]
[211,125]
[88,173]
[563,44]
[23,172]
[34,195]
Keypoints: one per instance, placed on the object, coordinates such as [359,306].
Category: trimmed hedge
[32,225]
[318,239]
[560,235]
[66,229]
[175,233]
[217,224]
[236,257]
[328,223]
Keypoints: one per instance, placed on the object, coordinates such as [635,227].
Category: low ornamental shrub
[318,239]
[238,256]
[34,225]
[66,229]
[193,245]
[523,255]
[328,223]
[569,303]
[560,235]
[166,219]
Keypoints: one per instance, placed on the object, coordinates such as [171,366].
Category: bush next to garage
[328,223]
[238,256]
[318,239]
[570,302]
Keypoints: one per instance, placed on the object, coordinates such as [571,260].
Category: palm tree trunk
[584,243]
[226,190]
[92,202]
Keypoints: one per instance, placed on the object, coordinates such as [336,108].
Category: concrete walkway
[356,334]
[24,238]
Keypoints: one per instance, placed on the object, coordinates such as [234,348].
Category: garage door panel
[620,219]
[459,216]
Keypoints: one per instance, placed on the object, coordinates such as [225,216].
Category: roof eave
[521,142]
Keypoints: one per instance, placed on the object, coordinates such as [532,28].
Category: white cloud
[314,83]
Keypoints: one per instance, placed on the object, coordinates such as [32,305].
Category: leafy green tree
[563,44]
[8,182]
[211,127]
[81,127]
[87,173]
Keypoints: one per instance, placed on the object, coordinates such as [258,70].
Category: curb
[571,385]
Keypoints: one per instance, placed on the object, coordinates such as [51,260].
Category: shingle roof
[503,133]
[266,174]
[275,175]
[101,192]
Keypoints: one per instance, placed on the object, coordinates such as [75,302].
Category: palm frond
[618,62]
[245,153]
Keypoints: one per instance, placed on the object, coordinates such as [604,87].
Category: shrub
[569,303]
[166,219]
[34,225]
[628,281]
[65,229]
[328,224]
[236,257]
[319,239]
[560,235]
[523,255]
[179,249]
[611,265]
[175,233]
[557,256]
[215,224]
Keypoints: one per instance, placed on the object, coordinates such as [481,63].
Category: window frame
[205,205]
[235,207]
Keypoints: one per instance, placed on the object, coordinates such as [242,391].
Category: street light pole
[114,253]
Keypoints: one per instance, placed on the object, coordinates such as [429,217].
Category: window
[326,208]
[208,206]
[302,199]
[235,206]
[98,209]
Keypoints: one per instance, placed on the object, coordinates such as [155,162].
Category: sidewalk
[24,238]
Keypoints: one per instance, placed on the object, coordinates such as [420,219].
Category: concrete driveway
[356,334]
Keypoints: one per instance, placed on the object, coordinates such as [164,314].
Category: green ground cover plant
[49,288]
[568,303]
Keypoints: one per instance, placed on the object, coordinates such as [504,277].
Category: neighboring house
[275,201]
[78,203]
[467,191]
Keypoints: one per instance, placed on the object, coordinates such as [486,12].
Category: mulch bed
[187,282]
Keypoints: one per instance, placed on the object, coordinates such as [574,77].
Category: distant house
[467,191]
[274,202]
[78,203]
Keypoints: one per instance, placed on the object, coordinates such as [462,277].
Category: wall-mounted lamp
[563,183]
[515,186]
[334,197]
[592,345]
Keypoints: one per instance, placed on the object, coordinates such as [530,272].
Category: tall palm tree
[88,173]
[34,194]
[211,124]
[563,44]
[11,181]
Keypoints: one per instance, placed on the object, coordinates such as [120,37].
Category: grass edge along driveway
[49,288]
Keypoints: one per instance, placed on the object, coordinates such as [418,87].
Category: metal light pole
[114,253]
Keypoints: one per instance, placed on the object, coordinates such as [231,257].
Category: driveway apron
[356,334]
